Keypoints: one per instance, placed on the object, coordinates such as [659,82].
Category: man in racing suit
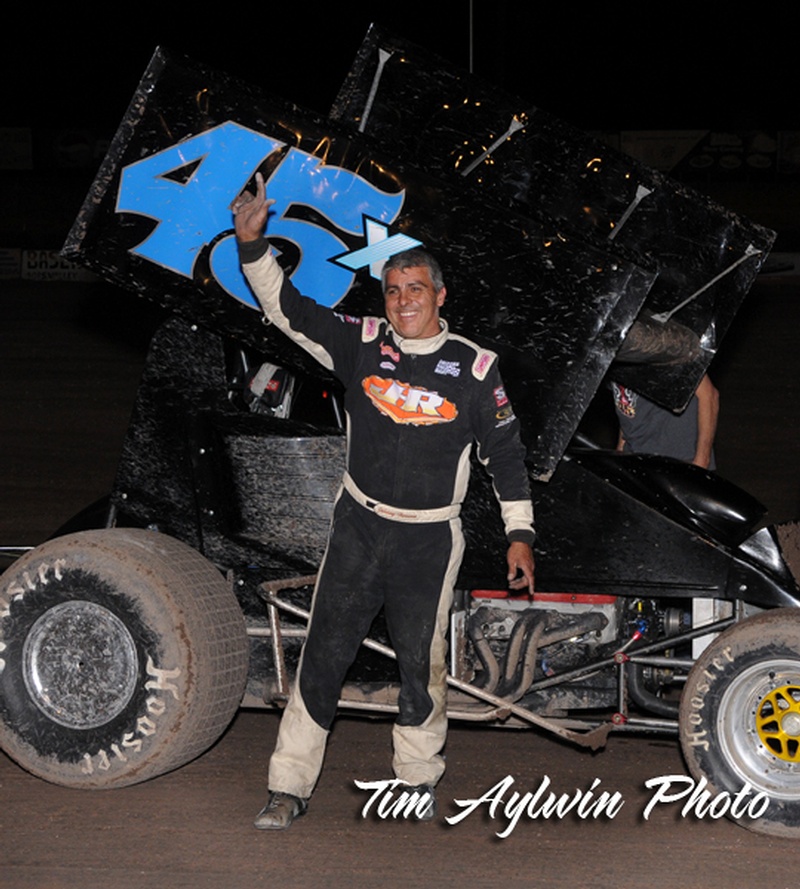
[416,398]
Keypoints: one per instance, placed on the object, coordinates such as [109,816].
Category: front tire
[123,655]
[740,717]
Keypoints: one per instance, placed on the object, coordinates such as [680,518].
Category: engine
[556,652]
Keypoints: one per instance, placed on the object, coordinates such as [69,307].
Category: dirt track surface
[71,360]
[192,828]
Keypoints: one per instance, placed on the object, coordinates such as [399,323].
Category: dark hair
[410,259]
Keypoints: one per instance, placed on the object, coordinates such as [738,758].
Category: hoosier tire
[123,655]
[740,718]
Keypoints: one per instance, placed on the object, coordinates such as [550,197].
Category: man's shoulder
[371,326]
[479,358]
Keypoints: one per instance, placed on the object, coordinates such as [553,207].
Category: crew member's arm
[707,414]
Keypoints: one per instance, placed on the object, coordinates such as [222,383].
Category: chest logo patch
[408,404]
[451,368]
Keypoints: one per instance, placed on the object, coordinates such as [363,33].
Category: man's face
[412,302]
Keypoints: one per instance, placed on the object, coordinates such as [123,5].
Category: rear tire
[123,655]
[740,717]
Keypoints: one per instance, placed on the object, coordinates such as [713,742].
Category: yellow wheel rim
[778,722]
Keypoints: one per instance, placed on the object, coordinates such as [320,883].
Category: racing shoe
[281,809]
[421,811]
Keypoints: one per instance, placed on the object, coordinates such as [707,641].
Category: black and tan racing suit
[414,409]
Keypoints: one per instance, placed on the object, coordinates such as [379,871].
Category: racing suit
[414,409]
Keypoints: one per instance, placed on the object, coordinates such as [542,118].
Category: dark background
[68,74]
[658,65]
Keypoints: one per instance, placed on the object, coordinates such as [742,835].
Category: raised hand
[250,212]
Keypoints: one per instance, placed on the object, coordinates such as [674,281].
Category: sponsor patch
[348,319]
[408,404]
[500,397]
[482,364]
[448,368]
[505,413]
[388,351]
[370,329]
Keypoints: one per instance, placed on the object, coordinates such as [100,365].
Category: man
[416,398]
[647,428]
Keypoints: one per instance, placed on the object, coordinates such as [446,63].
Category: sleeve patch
[370,329]
[482,363]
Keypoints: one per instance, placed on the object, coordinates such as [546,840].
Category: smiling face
[413,302]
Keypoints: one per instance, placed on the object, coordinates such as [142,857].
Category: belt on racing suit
[397,513]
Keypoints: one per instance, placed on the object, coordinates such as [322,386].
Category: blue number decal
[188,188]
[193,208]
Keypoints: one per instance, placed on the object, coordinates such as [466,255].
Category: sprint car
[129,639]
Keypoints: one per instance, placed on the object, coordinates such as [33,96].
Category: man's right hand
[250,212]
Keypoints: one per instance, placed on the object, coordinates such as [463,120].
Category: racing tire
[123,655]
[740,721]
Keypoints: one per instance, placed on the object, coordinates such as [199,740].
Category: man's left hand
[520,559]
